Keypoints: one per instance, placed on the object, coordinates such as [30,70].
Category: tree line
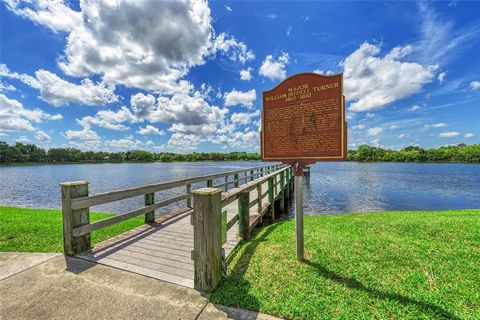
[20,153]
[453,153]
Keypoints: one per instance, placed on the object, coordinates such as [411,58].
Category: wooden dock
[163,249]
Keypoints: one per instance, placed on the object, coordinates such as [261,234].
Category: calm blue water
[331,187]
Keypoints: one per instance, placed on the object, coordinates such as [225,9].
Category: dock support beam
[149,199]
[207,238]
[282,191]
[235,180]
[74,218]
[271,198]
[259,203]
[244,215]
[189,192]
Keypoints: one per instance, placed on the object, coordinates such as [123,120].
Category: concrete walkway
[50,286]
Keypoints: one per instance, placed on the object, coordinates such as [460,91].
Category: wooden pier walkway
[163,249]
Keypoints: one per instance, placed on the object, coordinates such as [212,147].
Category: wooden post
[235,180]
[74,218]
[149,199]
[275,184]
[209,183]
[287,185]
[292,185]
[259,203]
[244,215]
[251,175]
[226,183]
[207,238]
[189,192]
[271,198]
[282,192]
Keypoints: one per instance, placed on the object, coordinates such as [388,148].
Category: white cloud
[187,109]
[14,117]
[86,134]
[109,119]
[246,74]
[373,132]
[440,40]
[289,30]
[138,44]
[469,135]
[326,73]
[228,8]
[436,125]
[57,91]
[238,140]
[42,136]
[54,14]
[475,85]
[359,126]
[414,108]
[451,134]
[150,130]
[235,97]
[6,87]
[401,136]
[184,142]
[373,81]
[244,118]
[274,69]
[441,77]
[235,50]
[126,143]
[23,139]
[394,126]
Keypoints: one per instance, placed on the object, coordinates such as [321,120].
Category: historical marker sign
[303,120]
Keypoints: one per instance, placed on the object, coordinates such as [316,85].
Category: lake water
[330,188]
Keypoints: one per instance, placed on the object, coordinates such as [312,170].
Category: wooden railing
[76,202]
[207,219]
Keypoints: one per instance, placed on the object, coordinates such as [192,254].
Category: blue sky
[188,76]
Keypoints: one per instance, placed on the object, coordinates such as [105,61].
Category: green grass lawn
[36,230]
[391,265]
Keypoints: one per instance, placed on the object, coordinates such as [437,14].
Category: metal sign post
[299,211]
[303,121]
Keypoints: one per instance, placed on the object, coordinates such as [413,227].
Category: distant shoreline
[27,164]
[21,164]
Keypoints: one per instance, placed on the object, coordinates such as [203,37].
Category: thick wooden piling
[271,198]
[207,238]
[150,199]
[244,215]
[74,218]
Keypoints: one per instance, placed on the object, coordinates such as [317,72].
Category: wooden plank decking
[162,250]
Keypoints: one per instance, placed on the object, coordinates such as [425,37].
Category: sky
[188,76]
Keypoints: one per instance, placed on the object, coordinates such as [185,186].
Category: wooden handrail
[79,231]
[111,196]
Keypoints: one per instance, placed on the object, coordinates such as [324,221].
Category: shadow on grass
[235,285]
[435,311]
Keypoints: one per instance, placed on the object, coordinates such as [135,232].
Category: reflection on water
[353,187]
[330,188]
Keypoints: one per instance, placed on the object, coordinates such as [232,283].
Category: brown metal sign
[303,120]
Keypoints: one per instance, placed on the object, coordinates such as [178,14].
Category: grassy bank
[36,230]
[392,265]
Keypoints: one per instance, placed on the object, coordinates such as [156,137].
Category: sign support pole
[298,169]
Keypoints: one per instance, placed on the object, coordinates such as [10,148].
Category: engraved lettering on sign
[303,118]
